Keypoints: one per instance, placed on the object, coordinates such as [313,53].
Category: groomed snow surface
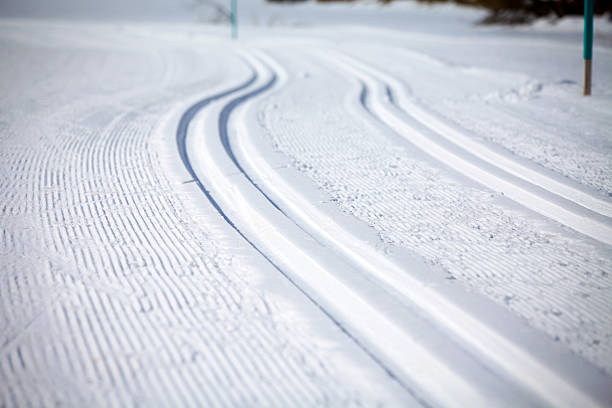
[384,214]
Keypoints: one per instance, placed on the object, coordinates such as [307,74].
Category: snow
[351,205]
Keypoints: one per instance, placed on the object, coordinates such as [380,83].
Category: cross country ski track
[474,364]
[163,242]
[111,294]
[573,207]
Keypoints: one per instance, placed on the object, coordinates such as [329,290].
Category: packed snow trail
[117,287]
[247,233]
[325,148]
[479,337]
[379,199]
[283,248]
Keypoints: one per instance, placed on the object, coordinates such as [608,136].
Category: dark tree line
[522,11]
[514,11]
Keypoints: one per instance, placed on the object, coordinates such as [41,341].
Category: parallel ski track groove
[181,136]
[362,96]
[542,125]
[549,257]
[475,158]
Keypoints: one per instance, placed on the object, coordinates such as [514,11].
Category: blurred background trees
[211,11]
[524,11]
[513,11]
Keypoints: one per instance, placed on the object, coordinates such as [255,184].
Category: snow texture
[349,206]
[114,291]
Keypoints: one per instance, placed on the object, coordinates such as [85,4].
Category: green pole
[588,45]
[234,19]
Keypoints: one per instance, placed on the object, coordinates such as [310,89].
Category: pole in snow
[588,45]
[234,19]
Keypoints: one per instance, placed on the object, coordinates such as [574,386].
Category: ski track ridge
[106,275]
[467,157]
[224,116]
[181,137]
[354,256]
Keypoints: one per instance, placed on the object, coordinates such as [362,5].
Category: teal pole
[588,45]
[235,19]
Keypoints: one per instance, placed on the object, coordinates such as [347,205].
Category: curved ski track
[223,117]
[562,202]
[209,155]
[109,297]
